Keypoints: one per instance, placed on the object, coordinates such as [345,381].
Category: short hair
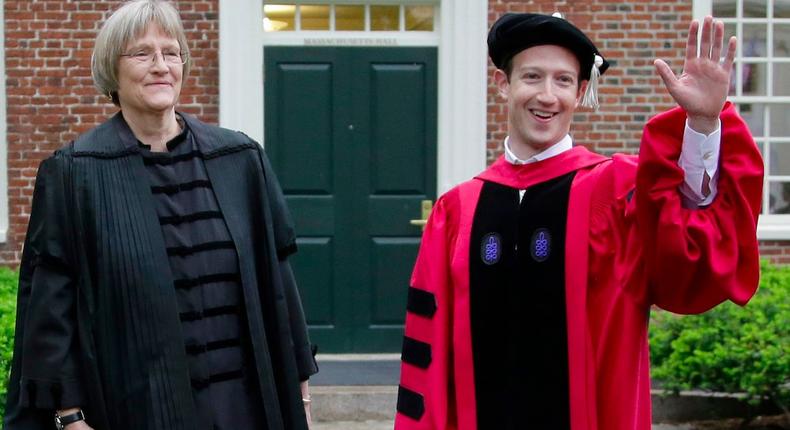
[123,26]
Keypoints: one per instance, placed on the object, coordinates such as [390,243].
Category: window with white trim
[760,88]
[397,17]
[351,22]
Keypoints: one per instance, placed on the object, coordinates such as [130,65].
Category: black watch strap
[63,421]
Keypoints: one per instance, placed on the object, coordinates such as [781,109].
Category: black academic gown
[97,319]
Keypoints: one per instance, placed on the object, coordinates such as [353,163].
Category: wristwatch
[62,421]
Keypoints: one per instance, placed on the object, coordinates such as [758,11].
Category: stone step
[355,425]
[353,402]
[364,403]
[355,388]
[357,369]
[387,425]
[363,388]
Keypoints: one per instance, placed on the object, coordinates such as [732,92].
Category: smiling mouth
[542,114]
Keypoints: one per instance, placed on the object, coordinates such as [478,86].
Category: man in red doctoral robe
[529,302]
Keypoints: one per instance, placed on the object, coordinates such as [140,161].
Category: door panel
[397,127]
[305,92]
[352,136]
[316,253]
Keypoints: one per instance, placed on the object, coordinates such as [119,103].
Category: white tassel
[590,98]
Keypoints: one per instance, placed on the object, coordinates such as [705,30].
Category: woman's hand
[79,425]
[307,401]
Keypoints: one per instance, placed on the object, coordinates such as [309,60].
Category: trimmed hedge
[730,348]
[8,284]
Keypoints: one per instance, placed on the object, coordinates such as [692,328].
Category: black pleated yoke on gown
[205,270]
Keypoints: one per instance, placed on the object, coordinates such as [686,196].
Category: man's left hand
[702,88]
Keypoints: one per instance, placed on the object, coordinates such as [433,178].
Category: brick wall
[50,94]
[630,34]
[51,98]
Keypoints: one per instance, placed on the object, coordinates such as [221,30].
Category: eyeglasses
[169,57]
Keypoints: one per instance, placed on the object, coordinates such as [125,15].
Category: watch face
[58,424]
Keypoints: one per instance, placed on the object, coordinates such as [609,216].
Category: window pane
[385,18]
[314,17]
[780,159]
[419,18]
[780,120]
[724,8]
[754,79]
[733,78]
[755,8]
[782,79]
[781,8]
[782,40]
[729,30]
[779,195]
[754,115]
[279,17]
[349,18]
[754,40]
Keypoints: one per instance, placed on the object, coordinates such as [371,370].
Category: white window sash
[770,226]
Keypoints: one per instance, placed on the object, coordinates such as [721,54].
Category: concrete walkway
[353,425]
[387,425]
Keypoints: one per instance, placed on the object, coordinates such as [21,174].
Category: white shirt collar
[558,148]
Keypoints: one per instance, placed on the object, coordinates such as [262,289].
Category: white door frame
[4,220]
[461,149]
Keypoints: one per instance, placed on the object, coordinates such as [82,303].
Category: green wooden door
[352,136]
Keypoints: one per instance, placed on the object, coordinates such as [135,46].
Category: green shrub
[8,286]
[730,348]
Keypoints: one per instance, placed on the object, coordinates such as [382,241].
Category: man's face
[542,93]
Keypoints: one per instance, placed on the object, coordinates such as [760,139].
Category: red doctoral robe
[630,244]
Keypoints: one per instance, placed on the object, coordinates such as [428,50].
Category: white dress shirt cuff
[699,155]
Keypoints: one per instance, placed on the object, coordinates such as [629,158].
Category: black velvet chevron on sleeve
[416,353]
[421,302]
[410,403]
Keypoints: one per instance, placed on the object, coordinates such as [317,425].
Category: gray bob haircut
[126,24]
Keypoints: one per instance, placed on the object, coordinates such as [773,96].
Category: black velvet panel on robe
[518,314]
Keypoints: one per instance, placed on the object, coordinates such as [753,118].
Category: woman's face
[146,87]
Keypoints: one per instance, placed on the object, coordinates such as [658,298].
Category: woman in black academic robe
[154,289]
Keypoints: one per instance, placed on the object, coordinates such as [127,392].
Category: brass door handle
[426,206]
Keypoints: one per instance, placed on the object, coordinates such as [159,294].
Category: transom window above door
[351,16]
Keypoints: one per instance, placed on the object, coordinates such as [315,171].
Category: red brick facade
[50,93]
[51,99]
